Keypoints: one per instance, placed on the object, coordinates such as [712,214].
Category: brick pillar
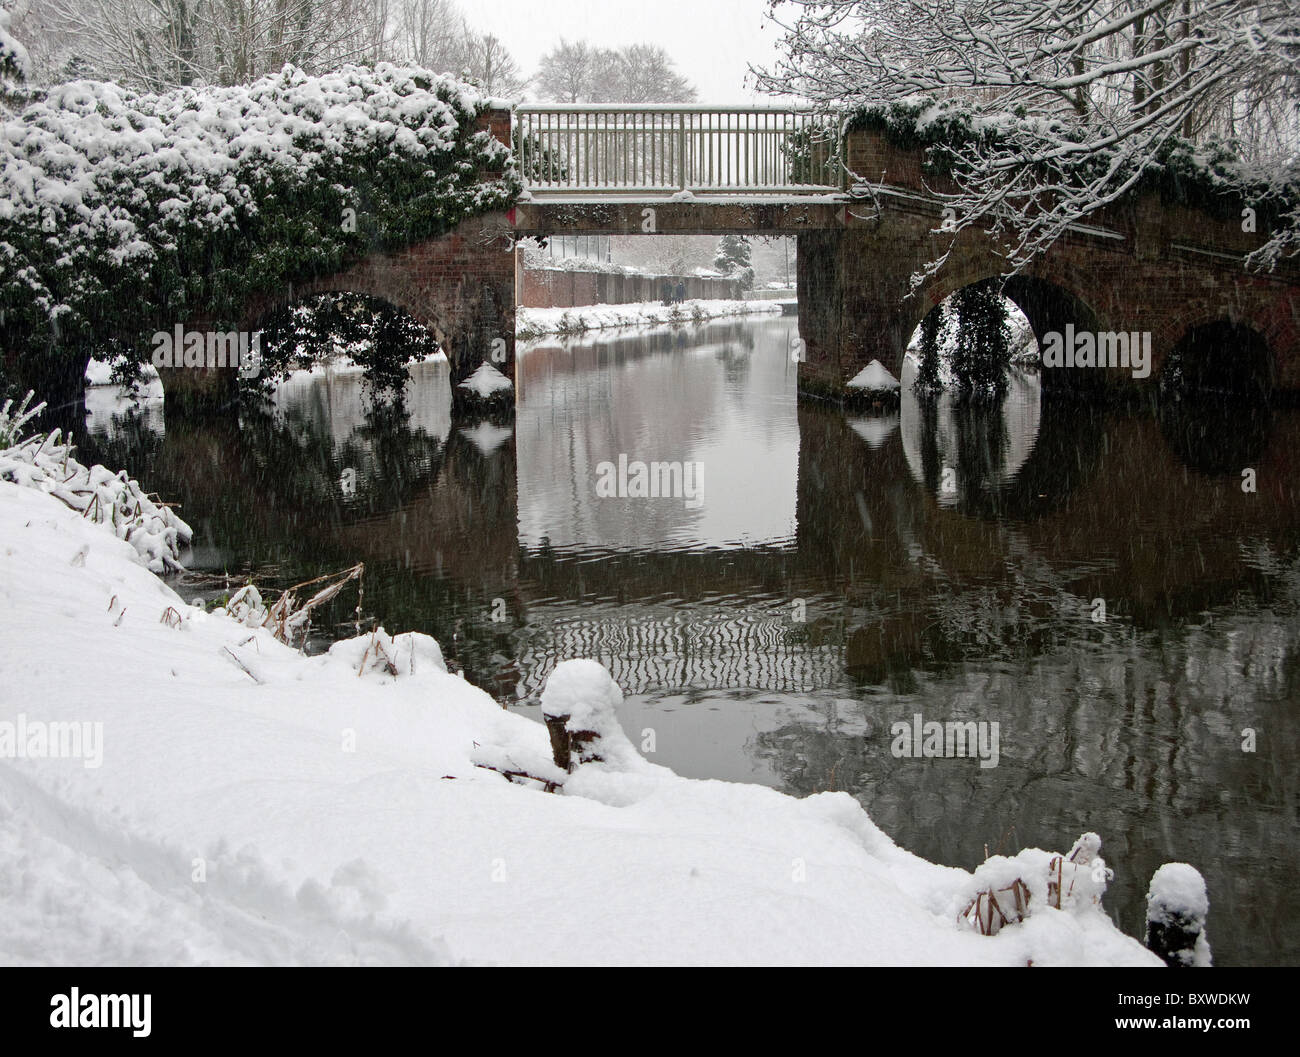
[498,123]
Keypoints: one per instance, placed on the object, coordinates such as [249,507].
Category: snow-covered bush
[122,210]
[398,656]
[246,607]
[98,494]
[1005,890]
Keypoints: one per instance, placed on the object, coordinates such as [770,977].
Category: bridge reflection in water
[962,595]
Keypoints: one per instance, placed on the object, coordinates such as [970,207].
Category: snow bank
[530,322]
[255,806]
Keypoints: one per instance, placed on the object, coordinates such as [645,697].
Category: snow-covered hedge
[121,211]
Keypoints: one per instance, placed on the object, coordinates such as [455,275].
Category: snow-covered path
[256,806]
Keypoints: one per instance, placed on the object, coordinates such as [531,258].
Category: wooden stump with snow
[1177,906]
[580,705]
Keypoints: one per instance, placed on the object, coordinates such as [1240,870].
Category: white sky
[712,42]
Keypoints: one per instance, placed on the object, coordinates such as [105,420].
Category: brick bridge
[1142,265]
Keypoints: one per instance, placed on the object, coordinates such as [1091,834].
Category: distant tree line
[156,45]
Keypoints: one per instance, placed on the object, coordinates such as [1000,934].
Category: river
[1097,583]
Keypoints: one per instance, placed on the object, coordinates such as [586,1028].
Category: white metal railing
[658,149]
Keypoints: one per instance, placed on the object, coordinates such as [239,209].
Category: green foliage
[927,374]
[374,334]
[734,258]
[814,154]
[983,350]
[544,163]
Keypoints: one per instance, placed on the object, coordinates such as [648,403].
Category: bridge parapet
[595,150]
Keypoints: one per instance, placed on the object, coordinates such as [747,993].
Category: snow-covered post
[1177,906]
[580,704]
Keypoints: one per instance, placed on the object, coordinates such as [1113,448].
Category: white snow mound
[486,380]
[874,377]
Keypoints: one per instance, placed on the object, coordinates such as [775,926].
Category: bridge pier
[853,306]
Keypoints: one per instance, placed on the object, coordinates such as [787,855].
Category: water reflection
[984,447]
[830,585]
[652,397]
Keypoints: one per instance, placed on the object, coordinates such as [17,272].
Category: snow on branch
[1066,106]
[14,61]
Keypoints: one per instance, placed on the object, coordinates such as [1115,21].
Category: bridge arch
[1048,304]
[262,308]
[1223,358]
[381,337]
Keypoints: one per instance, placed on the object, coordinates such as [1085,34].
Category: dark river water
[1096,582]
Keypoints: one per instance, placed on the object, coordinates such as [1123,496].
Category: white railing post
[681,151]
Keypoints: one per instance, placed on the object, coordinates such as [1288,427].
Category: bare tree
[435,34]
[1085,96]
[635,73]
[665,254]
[377,31]
[432,33]
[645,74]
[493,68]
[158,44]
[52,48]
[565,73]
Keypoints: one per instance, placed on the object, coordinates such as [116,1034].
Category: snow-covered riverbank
[536,322]
[247,804]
